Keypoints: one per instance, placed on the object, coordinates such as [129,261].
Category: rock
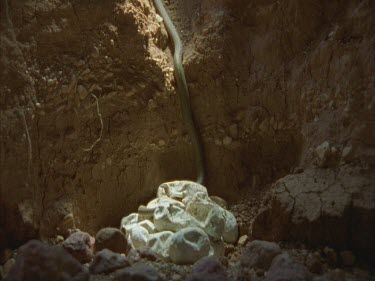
[159,244]
[220,201]
[322,152]
[107,261]
[284,269]
[112,239]
[314,263]
[259,254]
[331,256]
[207,269]
[66,225]
[189,245]
[243,240]
[138,237]
[139,272]
[8,265]
[79,245]
[38,261]
[347,258]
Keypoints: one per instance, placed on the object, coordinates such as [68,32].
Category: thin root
[30,147]
[101,123]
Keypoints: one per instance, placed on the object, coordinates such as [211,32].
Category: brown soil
[66,53]
[269,82]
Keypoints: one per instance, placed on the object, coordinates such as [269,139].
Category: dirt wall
[270,81]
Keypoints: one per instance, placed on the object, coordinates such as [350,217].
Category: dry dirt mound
[322,207]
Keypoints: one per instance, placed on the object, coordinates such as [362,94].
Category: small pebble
[243,240]
[313,263]
[5,255]
[346,152]
[82,92]
[331,256]
[112,239]
[227,140]
[159,18]
[80,63]
[59,239]
[80,245]
[8,265]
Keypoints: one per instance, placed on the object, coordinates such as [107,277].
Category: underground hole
[93,125]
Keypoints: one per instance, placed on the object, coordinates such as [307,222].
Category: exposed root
[30,147]
[101,123]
